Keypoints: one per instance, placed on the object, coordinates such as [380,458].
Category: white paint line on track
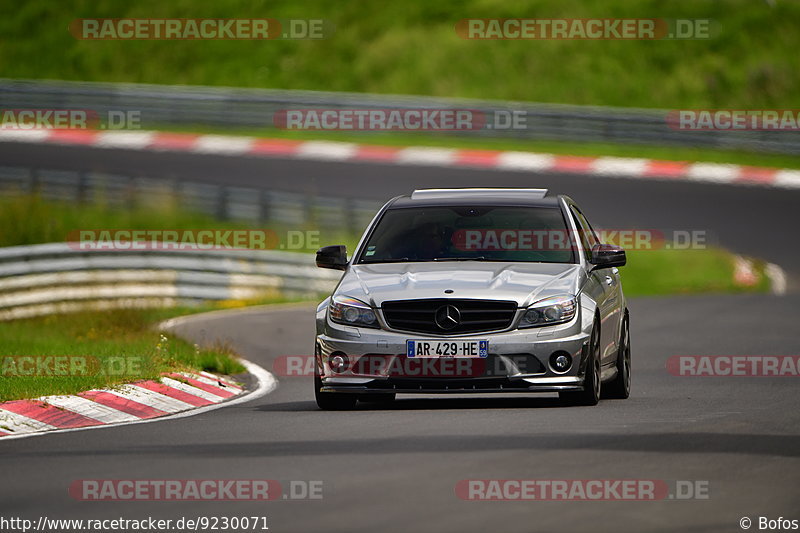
[777,278]
[88,408]
[21,423]
[619,166]
[132,140]
[188,389]
[426,156]
[255,309]
[265,383]
[525,161]
[713,172]
[327,150]
[222,144]
[24,135]
[789,179]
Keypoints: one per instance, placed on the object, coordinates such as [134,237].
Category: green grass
[124,344]
[31,219]
[696,271]
[411,47]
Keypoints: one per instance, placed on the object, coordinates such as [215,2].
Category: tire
[620,387]
[378,397]
[332,401]
[590,395]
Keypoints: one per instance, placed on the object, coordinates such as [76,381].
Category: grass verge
[30,219]
[665,272]
[97,349]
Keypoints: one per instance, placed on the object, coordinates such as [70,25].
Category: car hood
[524,283]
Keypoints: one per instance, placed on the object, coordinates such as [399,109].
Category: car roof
[483,196]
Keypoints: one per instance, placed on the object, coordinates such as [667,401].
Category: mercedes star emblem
[448,317]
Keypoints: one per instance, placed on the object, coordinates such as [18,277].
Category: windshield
[470,233]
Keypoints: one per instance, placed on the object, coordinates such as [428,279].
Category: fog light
[338,362]
[560,361]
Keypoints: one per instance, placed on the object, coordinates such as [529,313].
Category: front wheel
[332,401]
[620,387]
[590,395]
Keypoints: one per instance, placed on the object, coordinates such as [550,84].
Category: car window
[592,233]
[463,233]
[586,235]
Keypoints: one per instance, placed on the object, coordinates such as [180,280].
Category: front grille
[473,316]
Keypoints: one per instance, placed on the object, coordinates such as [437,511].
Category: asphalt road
[396,468]
[751,220]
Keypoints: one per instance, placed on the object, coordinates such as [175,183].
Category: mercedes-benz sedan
[474,291]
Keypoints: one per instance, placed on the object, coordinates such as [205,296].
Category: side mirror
[607,255]
[334,257]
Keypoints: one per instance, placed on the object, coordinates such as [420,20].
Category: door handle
[609,280]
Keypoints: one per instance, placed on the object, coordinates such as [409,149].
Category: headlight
[344,310]
[555,310]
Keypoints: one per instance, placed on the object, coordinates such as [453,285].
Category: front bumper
[451,386]
[518,361]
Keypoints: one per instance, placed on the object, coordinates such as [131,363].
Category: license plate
[436,348]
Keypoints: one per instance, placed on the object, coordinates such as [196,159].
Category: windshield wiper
[479,258]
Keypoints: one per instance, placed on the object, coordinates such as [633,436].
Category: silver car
[474,291]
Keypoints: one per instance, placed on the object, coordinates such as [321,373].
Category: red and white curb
[176,395]
[745,274]
[425,156]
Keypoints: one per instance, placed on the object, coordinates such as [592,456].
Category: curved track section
[396,468]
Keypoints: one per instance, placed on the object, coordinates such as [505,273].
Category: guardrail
[59,277]
[254,205]
[165,105]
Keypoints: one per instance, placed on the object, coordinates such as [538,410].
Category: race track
[396,468]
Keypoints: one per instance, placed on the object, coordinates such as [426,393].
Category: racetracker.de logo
[762,366]
[359,119]
[175,489]
[69,119]
[194,490]
[580,489]
[400,366]
[585,29]
[69,365]
[134,239]
[198,29]
[734,119]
